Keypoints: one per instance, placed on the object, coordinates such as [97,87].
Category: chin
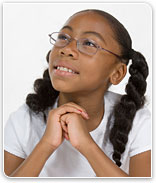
[62,87]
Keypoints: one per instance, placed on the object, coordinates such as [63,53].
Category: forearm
[33,165]
[101,164]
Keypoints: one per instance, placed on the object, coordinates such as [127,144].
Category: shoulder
[22,119]
[142,117]
[23,124]
[142,120]
[22,131]
[139,139]
[21,112]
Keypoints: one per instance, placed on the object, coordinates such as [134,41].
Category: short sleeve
[12,131]
[141,133]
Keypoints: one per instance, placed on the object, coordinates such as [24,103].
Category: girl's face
[92,72]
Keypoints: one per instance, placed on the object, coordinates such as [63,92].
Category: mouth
[65,69]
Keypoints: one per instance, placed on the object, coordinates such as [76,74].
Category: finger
[66,108]
[65,118]
[76,106]
[66,136]
[64,126]
[82,110]
[84,114]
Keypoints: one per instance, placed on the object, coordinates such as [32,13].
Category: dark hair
[45,95]
[124,111]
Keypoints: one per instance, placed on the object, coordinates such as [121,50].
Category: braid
[125,110]
[45,95]
[121,118]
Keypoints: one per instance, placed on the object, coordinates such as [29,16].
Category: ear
[118,73]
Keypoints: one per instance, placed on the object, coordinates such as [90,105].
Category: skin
[81,106]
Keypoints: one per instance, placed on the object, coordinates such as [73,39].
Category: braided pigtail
[121,118]
[125,110]
[45,95]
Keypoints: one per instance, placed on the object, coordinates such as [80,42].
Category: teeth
[65,69]
[69,70]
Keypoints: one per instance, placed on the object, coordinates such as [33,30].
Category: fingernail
[86,114]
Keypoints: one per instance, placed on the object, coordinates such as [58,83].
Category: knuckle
[64,105]
[51,112]
[72,104]
[74,115]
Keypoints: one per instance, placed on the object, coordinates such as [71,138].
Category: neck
[93,103]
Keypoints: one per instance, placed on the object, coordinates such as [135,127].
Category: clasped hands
[67,121]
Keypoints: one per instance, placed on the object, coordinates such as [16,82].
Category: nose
[70,50]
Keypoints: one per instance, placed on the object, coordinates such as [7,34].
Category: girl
[72,126]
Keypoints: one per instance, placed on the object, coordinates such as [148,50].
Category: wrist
[87,146]
[46,148]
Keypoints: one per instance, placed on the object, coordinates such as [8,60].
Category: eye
[62,37]
[89,43]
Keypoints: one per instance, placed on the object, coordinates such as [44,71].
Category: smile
[65,69]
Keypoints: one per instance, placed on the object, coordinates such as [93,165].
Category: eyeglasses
[84,45]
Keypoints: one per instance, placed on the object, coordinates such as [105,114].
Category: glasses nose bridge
[73,39]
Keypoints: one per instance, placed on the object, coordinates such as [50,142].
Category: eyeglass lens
[84,45]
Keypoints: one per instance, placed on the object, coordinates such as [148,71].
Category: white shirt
[24,130]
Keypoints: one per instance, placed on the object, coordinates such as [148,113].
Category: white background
[25,44]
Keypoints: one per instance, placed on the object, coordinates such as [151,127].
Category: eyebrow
[67,27]
[96,34]
[87,32]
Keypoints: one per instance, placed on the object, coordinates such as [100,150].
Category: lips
[65,66]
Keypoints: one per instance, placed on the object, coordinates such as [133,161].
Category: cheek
[97,72]
[94,78]
[52,57]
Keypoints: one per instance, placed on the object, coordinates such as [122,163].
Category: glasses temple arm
[112,53]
